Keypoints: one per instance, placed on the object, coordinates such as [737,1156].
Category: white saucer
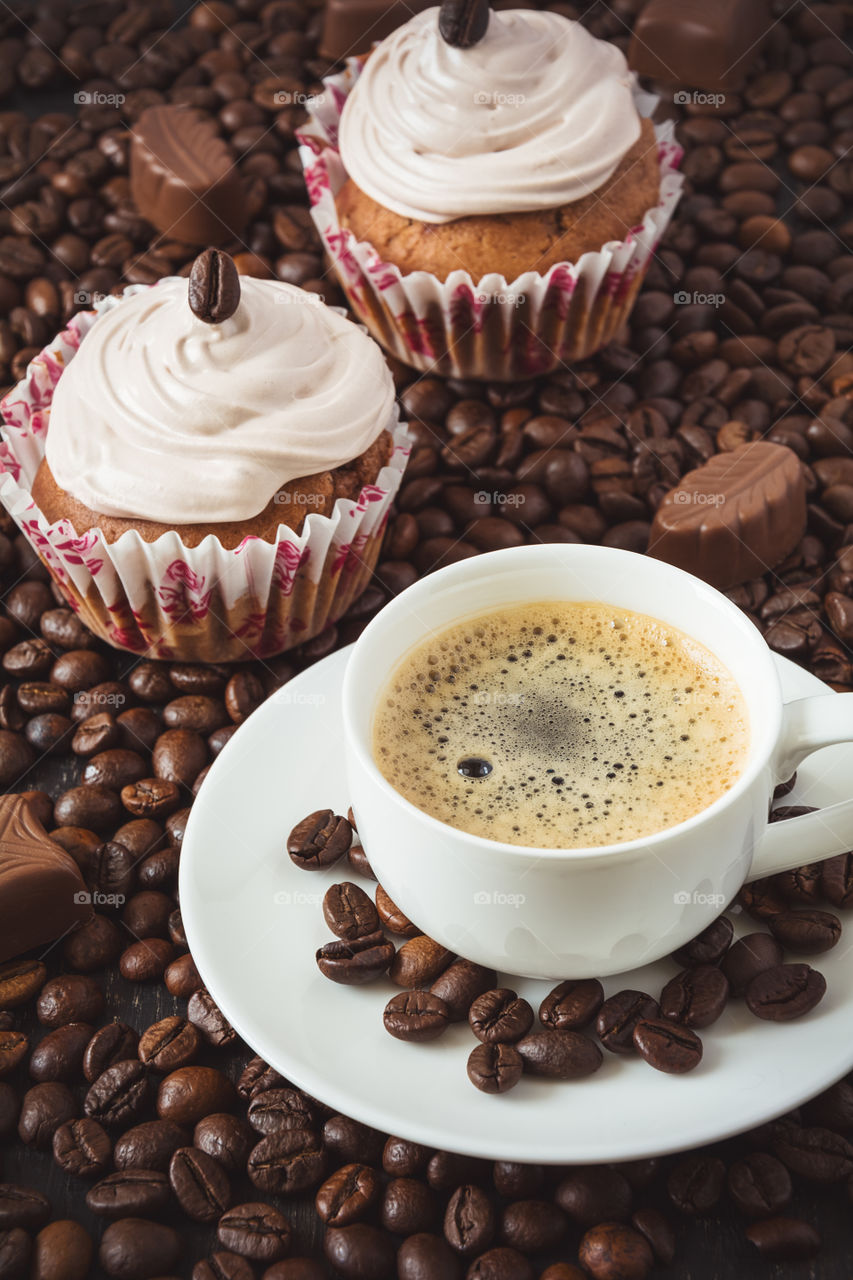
[254,921]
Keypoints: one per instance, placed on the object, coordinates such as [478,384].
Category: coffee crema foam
[575,725]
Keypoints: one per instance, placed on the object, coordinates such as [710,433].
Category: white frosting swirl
[537,114]
[162,417]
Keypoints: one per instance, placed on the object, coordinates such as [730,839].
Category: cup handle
[808,725]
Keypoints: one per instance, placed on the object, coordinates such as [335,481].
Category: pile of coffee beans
[115,1063]
[440,988]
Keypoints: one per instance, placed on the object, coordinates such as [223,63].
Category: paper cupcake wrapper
[204,603]
[492,328]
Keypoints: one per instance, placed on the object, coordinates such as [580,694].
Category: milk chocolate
[735,517]
[703,44]
[352,26]
[42,894]
[183,177]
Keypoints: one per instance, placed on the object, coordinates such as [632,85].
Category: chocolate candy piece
[463,23]
[43,894]
[183,177]
[704,46]
[214,288]
[352,26]
[734,518]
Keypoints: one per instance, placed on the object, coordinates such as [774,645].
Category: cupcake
[206,468]
[490,207]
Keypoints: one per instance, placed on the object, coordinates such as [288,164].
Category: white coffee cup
[576,913]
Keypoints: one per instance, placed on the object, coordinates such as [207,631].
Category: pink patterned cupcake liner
[492,328]
[204,603]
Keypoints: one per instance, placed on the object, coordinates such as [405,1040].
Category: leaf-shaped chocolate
[183,176]
[735,517]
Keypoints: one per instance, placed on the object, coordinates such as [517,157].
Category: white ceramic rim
[763,737]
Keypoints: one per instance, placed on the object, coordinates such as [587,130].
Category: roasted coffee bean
[784,992]
[62,1251]
[194,711]
[276,1109]
[256,1231]
[390,915]
[832,1109]
[559,1055]
[349,912]
[500,1016]
[612,1251]
[819,1155]
[114,1043]
[618,1016]
[360,1251]
[404,1159]
[64,630]
[204,1014]
[168,1044]
[419,962]
[244,692]
[115,768]
[14,1047]
[459,986]
[95,734]
[836,883]
[408,1207]
[22,1207]
[469,1221]
[807,932]
[151,798]
[500,1263]
[110,696]
[214,288]
[200,1184]
[48,734]
[784,1239]
[79,669]
[516,1181]
[761,899]
[16,757]
[36,698]
[759,1185]
[695,997]
[424,1256]
[30,659]
[495,1068]
[571,1005]
[149,1145]
[223,1265]
[188,1094]
[258,1076]
[416,1015]
[347,1195]
[160,870]
[463,23]
[147,913]
[595,1193]
[15,1251]
[119,1095]
[20,980]
[696,1183]
[82,1148]
[532,1226]
[138,728]
[226,1139]
[95,807]
[134,1248]
[129,1194]
[709,947]
[59,1055]
[44,1109]
[357,962]
[146,960]
[657,1231]
[319,840]
[749,956]
[286,1162]
[667,1046]
[179,756]
[349,1141]
[71,998]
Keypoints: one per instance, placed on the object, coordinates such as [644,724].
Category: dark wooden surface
[709,1249]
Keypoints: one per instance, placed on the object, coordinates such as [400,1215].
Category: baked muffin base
[295,501]
[512,243]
